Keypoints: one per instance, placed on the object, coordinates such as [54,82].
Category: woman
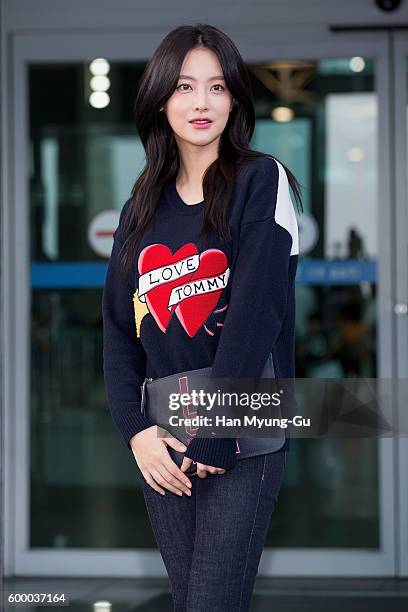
[204,207]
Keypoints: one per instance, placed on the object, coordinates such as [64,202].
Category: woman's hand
[202,468]
[155,463]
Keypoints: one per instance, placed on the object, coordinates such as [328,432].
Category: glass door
[400,131]
[323,109]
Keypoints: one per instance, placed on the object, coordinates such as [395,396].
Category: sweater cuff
[217,452]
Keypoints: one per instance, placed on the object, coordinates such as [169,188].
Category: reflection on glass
[317,117]
[329,139]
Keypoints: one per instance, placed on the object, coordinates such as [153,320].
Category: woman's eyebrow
[214,78]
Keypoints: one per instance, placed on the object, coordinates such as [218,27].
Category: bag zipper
[179,374]
[143,390]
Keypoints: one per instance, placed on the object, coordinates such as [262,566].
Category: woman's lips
[201,124]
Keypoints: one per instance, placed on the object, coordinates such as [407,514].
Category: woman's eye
[183,85]
[218,85]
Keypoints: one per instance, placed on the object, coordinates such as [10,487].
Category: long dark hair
[157,84]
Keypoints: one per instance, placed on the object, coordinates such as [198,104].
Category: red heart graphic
[193,311]
[156,256]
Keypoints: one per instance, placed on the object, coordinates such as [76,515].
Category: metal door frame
[400,131]
[49,47]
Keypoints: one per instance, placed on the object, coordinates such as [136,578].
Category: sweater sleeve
[259,292]
[124,359]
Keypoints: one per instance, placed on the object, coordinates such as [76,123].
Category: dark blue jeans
[211,543]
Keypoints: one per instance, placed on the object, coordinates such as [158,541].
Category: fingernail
[183,448]
[189,484]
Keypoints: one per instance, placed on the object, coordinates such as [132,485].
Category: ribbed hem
[217,452]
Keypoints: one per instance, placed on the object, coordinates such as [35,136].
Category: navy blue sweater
[159,320]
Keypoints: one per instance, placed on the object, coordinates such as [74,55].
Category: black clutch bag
[155,394]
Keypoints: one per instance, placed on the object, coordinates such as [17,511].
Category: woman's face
[200,92]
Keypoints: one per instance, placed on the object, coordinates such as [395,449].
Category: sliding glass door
[323,110]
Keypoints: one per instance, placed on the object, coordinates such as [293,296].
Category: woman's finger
[150,481]
[214,470]
[166,480]
[182,480]
[185,464]
[201,470]
[171,474]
